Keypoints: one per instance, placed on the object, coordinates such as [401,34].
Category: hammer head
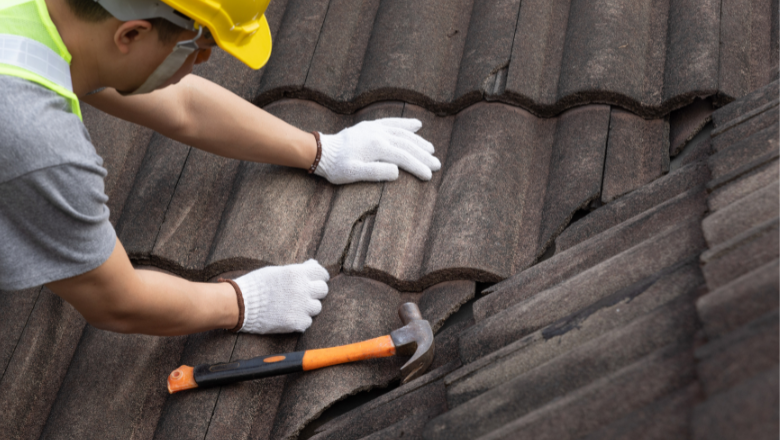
[414,339]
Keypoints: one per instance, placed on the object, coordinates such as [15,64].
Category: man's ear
[130,32]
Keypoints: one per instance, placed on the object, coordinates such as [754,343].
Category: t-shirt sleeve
[53,225]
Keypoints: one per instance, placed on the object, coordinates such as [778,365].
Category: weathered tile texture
[598,340]
[738,364]
[543,56]
[510,183]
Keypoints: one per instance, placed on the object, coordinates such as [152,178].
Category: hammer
[414,339]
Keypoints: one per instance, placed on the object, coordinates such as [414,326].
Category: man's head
[140,45]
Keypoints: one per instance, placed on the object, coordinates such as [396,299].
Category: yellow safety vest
[31,48]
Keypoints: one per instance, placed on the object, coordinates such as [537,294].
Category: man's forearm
[202,114]
[118,298]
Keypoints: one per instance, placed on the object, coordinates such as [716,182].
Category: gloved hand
[282,299]
[373,151]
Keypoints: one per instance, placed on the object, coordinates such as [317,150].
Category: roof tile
[36,370]
[667,418]
[15,309]
[113,386]
[748,410]
[747,49]
[752,210]
[740,301]
[122,145]
[632,204]
[248,409]
[637,153]
[686,123]
[197,406]
[155,183]
[571,262]
[587,408]
[361,309]
[745,151]
[677,243]
[740,355]
[741,254]
[521,392]
[742,181]
[664,297]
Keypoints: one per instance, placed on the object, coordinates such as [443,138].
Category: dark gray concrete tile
[743,181]
[693,38]
[146,205]
[534,71]
[115,386]
[741,254]
[422,397]
[122,145]
[745,126]
[188,414]
[577,413]
[294,46]
[438,302]
[274,214]
[627,62]
[576,168]
[753,209]
[338,59]
[687,122]
[396,254]
[748,410]
[633,204]
[415,58]
[666,419]
[675,244]
[38,366]
[351,202]
[746,47]
[247,409]
[749,103]
[569,263]
[743,152]
[193,215]
[15,309]
[356,309]
[740,355]
[581,365]
[409,428]
[488,48]
[660,298]
[740,301]
[637,153]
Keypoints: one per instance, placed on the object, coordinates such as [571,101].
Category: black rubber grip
[210,375]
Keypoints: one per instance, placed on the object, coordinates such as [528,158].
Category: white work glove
[282,299]
[373,151]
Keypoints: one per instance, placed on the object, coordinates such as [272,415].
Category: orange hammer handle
[325,357]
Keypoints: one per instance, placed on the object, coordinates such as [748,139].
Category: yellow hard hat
[239,26]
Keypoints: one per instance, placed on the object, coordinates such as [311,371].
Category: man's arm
[119,298]
[202,114]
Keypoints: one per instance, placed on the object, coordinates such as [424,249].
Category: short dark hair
[91,11]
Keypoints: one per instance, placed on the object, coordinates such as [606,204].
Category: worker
[132,59]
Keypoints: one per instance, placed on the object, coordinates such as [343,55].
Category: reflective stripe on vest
[35,57]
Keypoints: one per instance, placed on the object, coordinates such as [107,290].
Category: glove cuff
[255,303]
[240,298]
[317,158]
[330,145]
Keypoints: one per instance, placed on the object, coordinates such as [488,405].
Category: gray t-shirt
[53,214]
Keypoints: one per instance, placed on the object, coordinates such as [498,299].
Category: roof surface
[604,225]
